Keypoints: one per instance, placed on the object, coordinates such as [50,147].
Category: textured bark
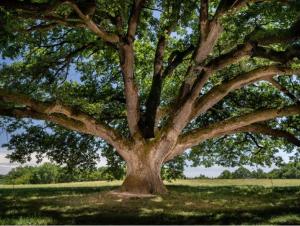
[143,176]
[131,90]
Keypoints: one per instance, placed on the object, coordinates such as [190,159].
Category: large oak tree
[153,79]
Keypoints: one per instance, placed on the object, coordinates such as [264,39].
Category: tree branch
[86,18]
[147,123]
[126,53]
[134,19]
[232,125]
[264,129]
[204,22]
[54,108]
[175,59]
[131,90]
[264,37]
[219,92]
[281,88]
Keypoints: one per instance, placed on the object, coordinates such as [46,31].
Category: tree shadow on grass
[183,205]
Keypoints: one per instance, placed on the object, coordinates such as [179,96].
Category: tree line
[49,173]
[286,171]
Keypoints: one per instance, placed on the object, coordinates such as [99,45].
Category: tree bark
[143,176]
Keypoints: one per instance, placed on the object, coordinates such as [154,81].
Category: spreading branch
[229,126]
[284,90]
[219,92]
[264,129]
[86,18]
[50,109]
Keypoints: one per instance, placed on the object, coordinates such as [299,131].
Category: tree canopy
[151,78]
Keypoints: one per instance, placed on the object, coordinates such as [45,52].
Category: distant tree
[226,174]
[259,174]
[51,173]
[3,179]
[45,174]
[201,176]
[20,175]
[286,171]
[242,173]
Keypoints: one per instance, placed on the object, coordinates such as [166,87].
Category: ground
[188,202]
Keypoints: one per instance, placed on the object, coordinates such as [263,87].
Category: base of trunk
[143,178]
[143,185]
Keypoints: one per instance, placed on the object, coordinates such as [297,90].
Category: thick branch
[86,18]
[153,100]
[51,108]
[264,129]
[281,88]
[265,37]
[233,56]
[131,90]
[219,92]
[176,58]
[204,22]
[251,49]
[231,125]
[134,19]
[126,53]
[148,121]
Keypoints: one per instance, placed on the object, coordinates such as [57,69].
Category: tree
[242,173]
[259,173]
[226,174]
[154,78]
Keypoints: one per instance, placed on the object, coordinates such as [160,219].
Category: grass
[188,202]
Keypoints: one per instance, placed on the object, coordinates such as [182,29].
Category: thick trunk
[143,177]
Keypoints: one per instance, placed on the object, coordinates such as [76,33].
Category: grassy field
[188,202]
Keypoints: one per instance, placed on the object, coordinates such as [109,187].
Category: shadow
[183,205]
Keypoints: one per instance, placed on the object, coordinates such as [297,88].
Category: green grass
[188,202]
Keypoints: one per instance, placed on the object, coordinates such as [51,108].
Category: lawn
[188,202]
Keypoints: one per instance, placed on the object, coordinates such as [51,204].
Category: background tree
[226,174]
[153,79]
[242,172]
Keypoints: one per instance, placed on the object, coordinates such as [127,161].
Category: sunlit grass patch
[289,218]
[27,221]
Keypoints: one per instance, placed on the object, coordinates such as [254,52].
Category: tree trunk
[143,176]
